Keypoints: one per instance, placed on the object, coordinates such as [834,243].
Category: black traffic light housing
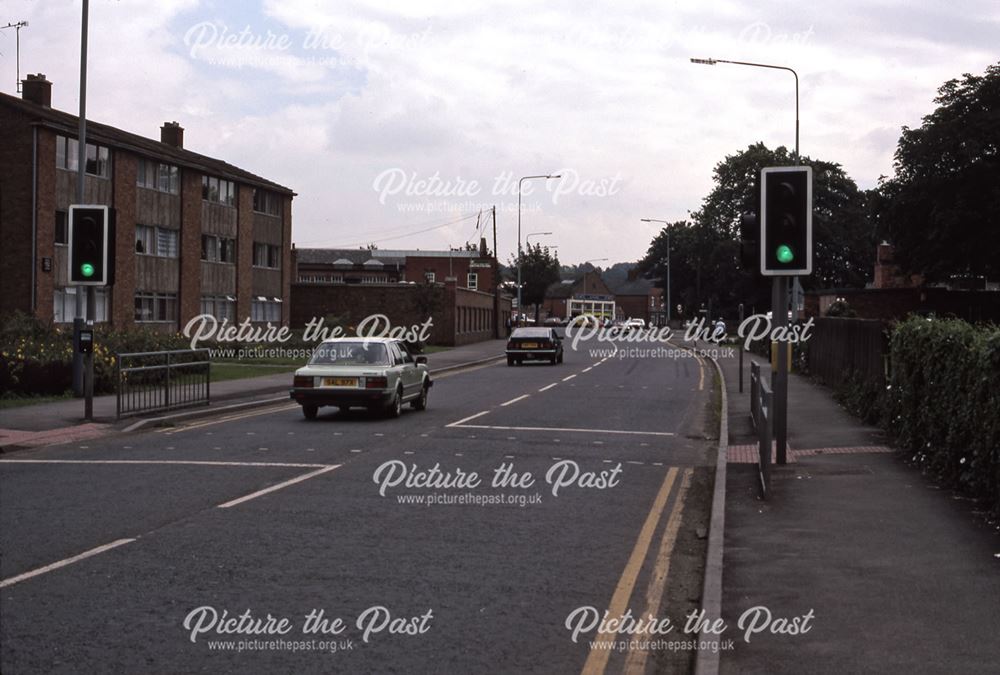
[91,245]
[786,221]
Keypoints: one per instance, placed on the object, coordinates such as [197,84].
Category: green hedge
[942,403]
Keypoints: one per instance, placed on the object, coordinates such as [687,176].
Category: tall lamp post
[779,295]
[657,220]
[520,253]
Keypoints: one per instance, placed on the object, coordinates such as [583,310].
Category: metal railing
[760,412]
[152,381]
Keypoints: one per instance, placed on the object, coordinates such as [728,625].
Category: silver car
[380,374]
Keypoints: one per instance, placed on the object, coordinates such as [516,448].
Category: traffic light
[786,221]
[90,246]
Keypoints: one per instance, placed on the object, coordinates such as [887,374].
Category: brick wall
[15,213]
[122,310]
[189,300]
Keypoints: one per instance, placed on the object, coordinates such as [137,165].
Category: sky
[398,122]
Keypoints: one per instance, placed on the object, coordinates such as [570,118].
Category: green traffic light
[784,254]
[87,270]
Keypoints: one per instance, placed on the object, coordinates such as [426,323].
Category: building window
[158,176]
[218,190]
[266,202]
[98,157]
[218,249]
[219,306]
[62,234]
[265,309]
[158,241]
[150,307]
[266,255]
[473,281]
[429,277]
[64,304]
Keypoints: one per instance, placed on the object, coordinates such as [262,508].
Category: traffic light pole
[83,368]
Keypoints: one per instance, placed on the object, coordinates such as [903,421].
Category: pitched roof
[68,124]
[638,286]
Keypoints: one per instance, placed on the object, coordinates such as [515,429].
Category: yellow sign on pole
[774,356]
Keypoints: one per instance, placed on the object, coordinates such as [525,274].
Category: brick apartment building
[194,234]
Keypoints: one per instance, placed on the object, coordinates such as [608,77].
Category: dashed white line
[634,462]
[568,378]
[587,370]
[547,387]
[567,429]
[470,417]
[279,486]
[515,400]
[355,450]
[64,562]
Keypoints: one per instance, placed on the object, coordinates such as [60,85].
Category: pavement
[111,545]
[62,421]
[889,573]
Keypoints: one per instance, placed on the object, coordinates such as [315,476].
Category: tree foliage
[941,208]
[539,270]
[705,250]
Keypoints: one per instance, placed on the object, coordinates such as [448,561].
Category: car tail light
[302,381]
[376,382]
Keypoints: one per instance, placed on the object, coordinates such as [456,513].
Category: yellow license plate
[529,345]
[340,381]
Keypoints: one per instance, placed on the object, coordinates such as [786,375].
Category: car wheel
[420,403]
[510,360]
[560,358]
[395,408]
[554,360]
[310,411]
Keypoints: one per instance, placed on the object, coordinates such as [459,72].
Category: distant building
[194,234]
[455,289]
[587,294]
[640,298]
[473,270]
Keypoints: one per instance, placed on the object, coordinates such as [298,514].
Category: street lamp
[520,253]
[712,62]
[779,296]
[657,220]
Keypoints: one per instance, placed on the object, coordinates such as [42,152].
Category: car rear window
[532,333]
[359,353]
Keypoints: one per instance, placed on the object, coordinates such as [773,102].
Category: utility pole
[496,280]
[83,367]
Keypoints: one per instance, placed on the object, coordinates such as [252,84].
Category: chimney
[172,134]
[37,89]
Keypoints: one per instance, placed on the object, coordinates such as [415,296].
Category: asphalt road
[266,512]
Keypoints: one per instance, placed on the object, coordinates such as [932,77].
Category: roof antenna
[17,29]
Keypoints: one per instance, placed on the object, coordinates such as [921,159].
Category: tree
[539,270]
[705,251]
[941,208]
[843,234]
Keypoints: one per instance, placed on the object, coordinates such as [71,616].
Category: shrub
[942,403]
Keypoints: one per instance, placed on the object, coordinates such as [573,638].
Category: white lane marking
[634,462]
[470,417]
[379,435]
[407,452]
[279,486]
[567,379]
[182,462]
[587,370]
[355,450]
[606,461]
[228,418]
[458,454]
[515,400]
[63,563]
[598,442]
[547,387]
[508,456]
[582,431]
[657,463]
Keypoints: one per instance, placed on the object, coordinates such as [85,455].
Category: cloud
[487,93]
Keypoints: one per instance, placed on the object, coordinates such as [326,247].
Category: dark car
[541,344]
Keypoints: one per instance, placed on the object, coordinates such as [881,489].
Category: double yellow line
[228,418]
[597,660]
